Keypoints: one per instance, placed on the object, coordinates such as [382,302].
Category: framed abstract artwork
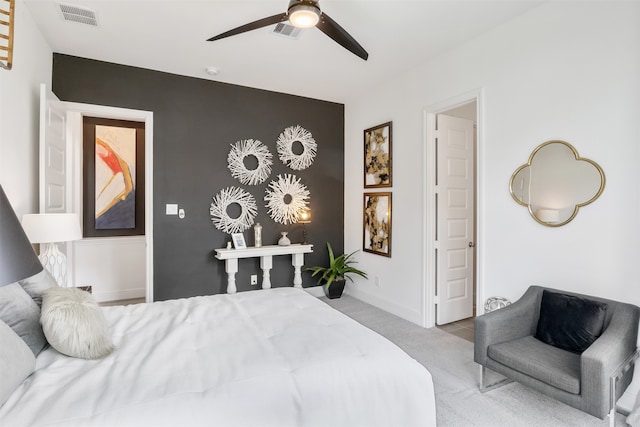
[377,156]
[113,177]
[377,224]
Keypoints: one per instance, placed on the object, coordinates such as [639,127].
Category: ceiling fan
[304,14]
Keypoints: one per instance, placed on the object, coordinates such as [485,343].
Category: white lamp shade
[52,228]
[303,16]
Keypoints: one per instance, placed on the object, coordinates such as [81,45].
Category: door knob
[472,245]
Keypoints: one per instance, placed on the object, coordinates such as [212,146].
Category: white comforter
[276,357]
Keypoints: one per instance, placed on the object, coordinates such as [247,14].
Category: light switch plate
[172,209]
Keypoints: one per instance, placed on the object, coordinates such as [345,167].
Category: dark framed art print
[377,156]
[113,177]
[376,231]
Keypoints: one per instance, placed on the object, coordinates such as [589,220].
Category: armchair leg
[612,400]
[488,387]
[613,382]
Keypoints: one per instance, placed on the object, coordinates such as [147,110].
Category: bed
[272,357]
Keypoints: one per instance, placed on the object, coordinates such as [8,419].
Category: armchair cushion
[551,365]
[570,322]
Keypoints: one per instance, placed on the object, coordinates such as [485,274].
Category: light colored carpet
[459,403]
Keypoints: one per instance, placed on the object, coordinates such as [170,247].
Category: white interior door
[55,185]
[55,174]
[455,219]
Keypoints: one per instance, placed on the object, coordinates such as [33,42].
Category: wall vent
[78,14]
[285,30]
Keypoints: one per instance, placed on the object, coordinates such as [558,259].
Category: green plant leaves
[340,268]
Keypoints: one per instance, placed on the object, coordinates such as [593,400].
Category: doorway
[134,254]
[451,288]
[61,188]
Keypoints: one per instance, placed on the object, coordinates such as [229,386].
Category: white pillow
[36,285]
[17,361]
[74,324]
[22,314]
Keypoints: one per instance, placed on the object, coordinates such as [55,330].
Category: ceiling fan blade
[339,34]
[251,26]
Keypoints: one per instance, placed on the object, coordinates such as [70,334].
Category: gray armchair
[505,343]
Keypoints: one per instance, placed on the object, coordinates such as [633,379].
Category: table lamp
[51,229]
[18,260]
[304,217]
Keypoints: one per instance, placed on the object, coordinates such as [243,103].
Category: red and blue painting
[115,177]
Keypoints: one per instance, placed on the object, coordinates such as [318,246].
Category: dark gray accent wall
[195,121]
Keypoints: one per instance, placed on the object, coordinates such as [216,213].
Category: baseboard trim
[400,311]
[119,295]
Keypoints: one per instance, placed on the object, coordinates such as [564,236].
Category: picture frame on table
[378,160]
[376,223]
[238,241]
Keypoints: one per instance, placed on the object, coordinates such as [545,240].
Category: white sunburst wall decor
[221,202]
[246,148]
[281,211]
[285,147]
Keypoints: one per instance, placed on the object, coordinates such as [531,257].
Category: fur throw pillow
[74,324]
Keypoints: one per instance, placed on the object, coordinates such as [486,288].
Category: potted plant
[334,276]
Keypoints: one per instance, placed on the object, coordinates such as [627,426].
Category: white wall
[19,157]
[19,105]
[114,267]
[565,70]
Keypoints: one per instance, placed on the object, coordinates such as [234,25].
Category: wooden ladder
[6,33]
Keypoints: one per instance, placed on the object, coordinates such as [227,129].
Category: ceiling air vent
[78,14]
[286,30]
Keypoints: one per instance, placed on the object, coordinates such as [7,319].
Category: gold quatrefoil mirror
[556,182]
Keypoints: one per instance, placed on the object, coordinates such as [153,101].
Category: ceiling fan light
[304,16]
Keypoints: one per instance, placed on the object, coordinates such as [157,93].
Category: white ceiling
[170,36]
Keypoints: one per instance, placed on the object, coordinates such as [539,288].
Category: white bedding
[276,357]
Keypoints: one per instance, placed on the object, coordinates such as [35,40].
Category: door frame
[75,113]
[428,207]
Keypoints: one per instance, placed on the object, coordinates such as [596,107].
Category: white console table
[266,254]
